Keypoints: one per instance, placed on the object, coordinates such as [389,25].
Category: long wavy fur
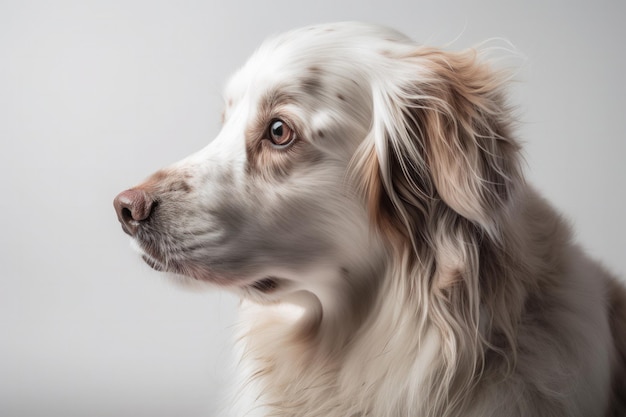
[441,173]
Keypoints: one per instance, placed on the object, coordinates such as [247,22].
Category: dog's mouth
[266,285]
[268,289]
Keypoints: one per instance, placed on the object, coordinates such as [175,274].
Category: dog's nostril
[133,207]
[127,215]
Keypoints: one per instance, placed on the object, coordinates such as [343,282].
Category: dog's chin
[264,289]
[153,263]
[180,280]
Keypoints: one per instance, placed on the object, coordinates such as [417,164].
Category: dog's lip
[178,267]
[266,285]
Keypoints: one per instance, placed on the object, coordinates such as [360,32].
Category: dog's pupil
[277,129]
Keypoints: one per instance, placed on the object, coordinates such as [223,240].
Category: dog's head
[338,142]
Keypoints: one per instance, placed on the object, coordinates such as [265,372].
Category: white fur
[391,261]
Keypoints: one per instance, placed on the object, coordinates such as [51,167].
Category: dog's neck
[324,319]
[306,342]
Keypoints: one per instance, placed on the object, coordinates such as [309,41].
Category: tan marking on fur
[469,148]
[266,160]
[261,160]
[452,131]
[166,180]
[367,175]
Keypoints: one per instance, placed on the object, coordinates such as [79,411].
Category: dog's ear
[441,132]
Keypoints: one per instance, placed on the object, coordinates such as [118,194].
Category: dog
[366,201]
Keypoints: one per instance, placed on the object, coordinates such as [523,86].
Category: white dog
[365,199]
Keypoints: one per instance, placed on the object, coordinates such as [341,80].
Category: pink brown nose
[133,207]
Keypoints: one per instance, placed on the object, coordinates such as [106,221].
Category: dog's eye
[280,134]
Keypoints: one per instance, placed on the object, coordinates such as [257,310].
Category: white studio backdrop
[96,95]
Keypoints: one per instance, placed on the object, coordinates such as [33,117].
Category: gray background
[94,96]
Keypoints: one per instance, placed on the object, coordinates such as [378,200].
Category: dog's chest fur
[293,374]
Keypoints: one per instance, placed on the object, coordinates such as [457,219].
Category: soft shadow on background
[94,96]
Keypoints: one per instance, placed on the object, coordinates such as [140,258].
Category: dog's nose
[133,207]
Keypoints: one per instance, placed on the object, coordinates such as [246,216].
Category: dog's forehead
[295,54]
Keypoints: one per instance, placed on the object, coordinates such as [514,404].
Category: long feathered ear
[440,171]
[441,132]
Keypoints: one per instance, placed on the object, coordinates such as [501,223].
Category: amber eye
[280,134]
